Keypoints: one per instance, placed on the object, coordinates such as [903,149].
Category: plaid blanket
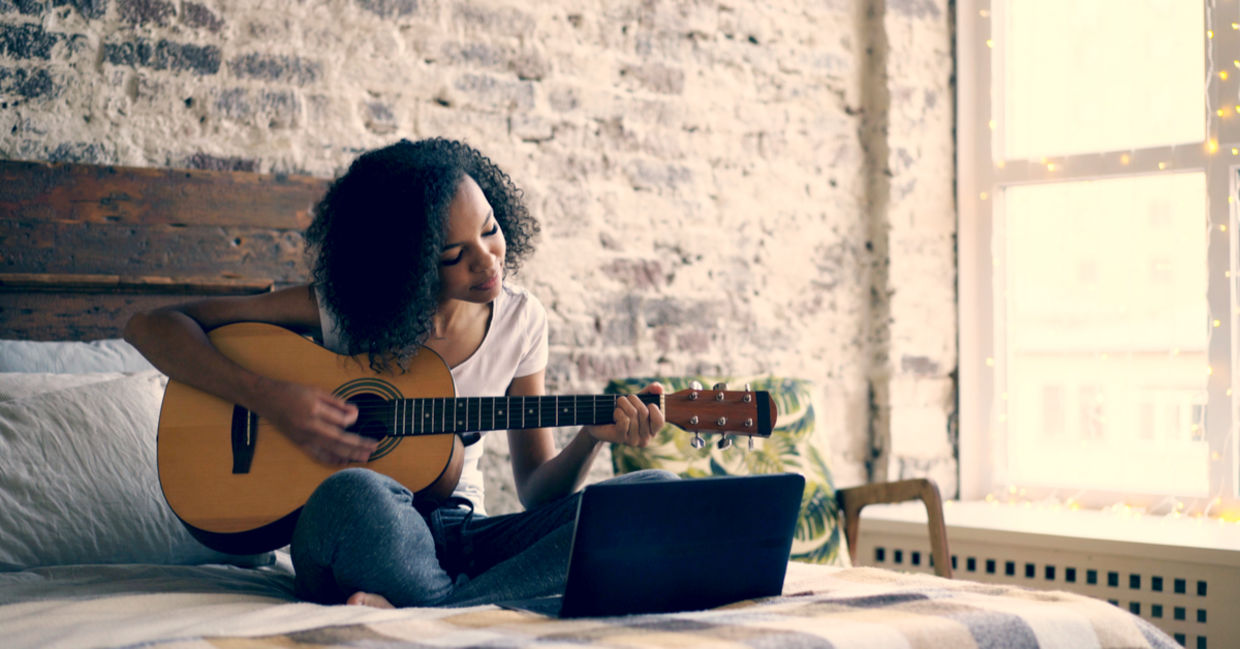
[850,608]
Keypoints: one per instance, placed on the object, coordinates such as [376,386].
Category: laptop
[677,545]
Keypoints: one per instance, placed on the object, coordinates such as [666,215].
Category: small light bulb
[1222,74]
[1125,159]
[1162,166]
[990,42]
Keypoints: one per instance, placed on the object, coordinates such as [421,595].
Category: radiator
[1183,576]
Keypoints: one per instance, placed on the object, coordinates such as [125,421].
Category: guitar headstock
[719,410]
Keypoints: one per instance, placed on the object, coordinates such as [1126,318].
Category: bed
[90,556]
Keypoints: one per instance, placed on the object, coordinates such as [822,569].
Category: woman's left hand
[636,422]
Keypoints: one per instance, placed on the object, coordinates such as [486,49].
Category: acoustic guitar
[238,484]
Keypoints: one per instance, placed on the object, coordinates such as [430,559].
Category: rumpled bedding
[213,606]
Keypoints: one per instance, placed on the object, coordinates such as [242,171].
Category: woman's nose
[488,259]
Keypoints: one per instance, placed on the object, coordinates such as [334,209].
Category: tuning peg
[695,385]
[747,388]
[724,442]
[697,441]
[720,386]
[751,443]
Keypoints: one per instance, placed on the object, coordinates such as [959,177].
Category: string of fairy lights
[1217,507]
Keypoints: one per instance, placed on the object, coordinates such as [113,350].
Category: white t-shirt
[515,345]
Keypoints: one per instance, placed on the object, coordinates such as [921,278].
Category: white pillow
[79,483]
[111,355]
[19,385]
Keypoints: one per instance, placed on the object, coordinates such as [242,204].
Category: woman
[409,248]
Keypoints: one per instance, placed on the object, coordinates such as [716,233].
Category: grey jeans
[362,531]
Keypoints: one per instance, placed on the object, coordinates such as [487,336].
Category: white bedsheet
[89,606]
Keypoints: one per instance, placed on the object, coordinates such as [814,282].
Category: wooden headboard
[84,246]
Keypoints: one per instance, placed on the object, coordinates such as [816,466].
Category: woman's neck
[457,318]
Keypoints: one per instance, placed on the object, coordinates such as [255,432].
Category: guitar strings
[379,416]
[545,407]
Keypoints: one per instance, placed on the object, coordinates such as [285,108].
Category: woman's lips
[489,283]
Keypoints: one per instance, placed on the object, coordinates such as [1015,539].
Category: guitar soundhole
[374,415]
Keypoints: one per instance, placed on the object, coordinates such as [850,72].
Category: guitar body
[238,484]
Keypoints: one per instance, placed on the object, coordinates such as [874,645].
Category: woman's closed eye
[460,255]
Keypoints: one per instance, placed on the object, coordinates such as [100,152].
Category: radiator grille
[1193,602]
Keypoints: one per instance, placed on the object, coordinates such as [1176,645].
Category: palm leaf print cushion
[790,448]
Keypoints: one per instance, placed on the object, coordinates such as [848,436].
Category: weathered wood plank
[70,283]
[159,250]
[72,316]
[83,193]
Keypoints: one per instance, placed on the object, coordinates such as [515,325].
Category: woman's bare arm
[175,340]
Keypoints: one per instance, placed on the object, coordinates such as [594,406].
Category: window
[1099,157]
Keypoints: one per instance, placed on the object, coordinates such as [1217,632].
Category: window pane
[1102,75]
[1107,330]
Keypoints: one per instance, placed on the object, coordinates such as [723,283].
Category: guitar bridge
[244,438]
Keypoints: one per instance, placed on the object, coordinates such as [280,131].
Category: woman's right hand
[315,420]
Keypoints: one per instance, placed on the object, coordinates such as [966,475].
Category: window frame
[980,179]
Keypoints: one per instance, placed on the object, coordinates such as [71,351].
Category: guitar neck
[436,416]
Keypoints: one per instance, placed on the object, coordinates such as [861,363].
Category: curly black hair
[375,240]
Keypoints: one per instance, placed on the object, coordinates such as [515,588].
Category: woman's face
[471,263]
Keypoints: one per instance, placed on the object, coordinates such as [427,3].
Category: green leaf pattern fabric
[790,448]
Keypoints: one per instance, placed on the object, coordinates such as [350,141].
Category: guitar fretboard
[436,416]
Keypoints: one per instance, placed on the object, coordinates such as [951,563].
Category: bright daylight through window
[1099,152]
